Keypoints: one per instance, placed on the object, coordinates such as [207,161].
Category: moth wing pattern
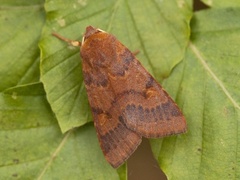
[116,140]
[145,106]
[149,110]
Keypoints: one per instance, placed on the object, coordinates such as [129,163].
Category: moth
[127,103]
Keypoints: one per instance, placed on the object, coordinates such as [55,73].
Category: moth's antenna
[72,42]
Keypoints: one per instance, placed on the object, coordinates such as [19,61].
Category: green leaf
[209,95]
[148,26]
[34,147]
[78,156]
[20,28]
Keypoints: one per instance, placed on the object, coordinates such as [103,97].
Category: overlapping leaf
[210,98]
[33,147]
[147,26]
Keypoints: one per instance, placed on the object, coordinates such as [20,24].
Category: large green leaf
[148,26]
[209,95]
[33,147]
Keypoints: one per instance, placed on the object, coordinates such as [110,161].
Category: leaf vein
[54,154]
[220,83]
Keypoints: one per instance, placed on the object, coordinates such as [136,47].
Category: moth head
[90,31]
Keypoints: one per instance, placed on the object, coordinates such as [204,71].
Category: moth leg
[72,42]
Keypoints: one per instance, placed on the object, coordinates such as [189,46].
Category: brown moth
[127,103]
